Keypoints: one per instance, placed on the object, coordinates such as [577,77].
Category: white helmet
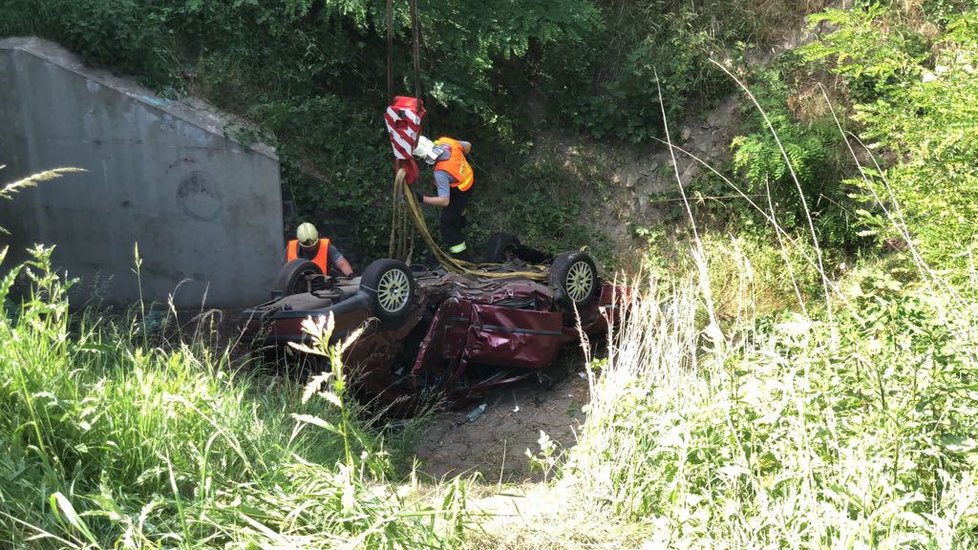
[427,150]
[307,235]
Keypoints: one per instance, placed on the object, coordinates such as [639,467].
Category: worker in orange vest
[453,181]
[309,246]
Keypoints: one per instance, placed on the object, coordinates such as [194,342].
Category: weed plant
[846,424]
[108,442]
[788,430]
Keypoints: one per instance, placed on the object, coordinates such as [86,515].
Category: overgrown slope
[312,75]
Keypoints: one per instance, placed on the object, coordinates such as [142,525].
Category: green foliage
[467,41]
[312,74]
[607,83]
[856,433]
[874,59]
[916,100]
[813,149]
[105,441]
[546,203]
[130,34]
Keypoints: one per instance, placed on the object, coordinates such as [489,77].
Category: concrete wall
[160,173]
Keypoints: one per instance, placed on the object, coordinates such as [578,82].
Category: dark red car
[435,331]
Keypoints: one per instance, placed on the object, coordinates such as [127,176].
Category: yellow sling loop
[454,265]
[401,245]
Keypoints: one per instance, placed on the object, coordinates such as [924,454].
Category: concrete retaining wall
[203,208]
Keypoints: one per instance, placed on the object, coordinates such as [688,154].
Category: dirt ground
[494,445]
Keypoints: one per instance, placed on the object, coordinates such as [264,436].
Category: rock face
[640,176]
[204,209]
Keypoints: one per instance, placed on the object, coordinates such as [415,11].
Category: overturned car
[429,330]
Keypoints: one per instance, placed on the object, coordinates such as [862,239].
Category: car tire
[389,286]
[291,278]
[500,248]
[573,279]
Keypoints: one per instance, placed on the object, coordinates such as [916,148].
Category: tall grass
[845,426]
[7,191]
[777,436]
[108,442]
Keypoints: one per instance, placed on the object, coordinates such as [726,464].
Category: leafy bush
[915,89]
[121,33]
[606,85]
[813,148]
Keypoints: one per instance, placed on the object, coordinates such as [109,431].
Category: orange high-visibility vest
[456,165]
[322,255]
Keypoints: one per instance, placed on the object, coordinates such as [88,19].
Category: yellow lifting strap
[401,246]
[539,273]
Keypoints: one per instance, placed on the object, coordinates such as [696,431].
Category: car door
[511,336]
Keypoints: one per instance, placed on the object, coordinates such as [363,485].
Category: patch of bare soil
[494,444]
[545,516]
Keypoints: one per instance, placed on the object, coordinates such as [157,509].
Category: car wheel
[573,279]
[291,278]
[500,248]
[389,285]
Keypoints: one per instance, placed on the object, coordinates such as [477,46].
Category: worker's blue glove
[419,197]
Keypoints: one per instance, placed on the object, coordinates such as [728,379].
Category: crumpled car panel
[513,337]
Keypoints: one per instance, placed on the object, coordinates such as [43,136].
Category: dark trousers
[453,221]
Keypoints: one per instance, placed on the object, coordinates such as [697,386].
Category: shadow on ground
[494,445]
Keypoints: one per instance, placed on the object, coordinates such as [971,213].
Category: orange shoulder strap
[322,256]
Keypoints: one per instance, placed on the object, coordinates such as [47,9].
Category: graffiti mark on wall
[199,198]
